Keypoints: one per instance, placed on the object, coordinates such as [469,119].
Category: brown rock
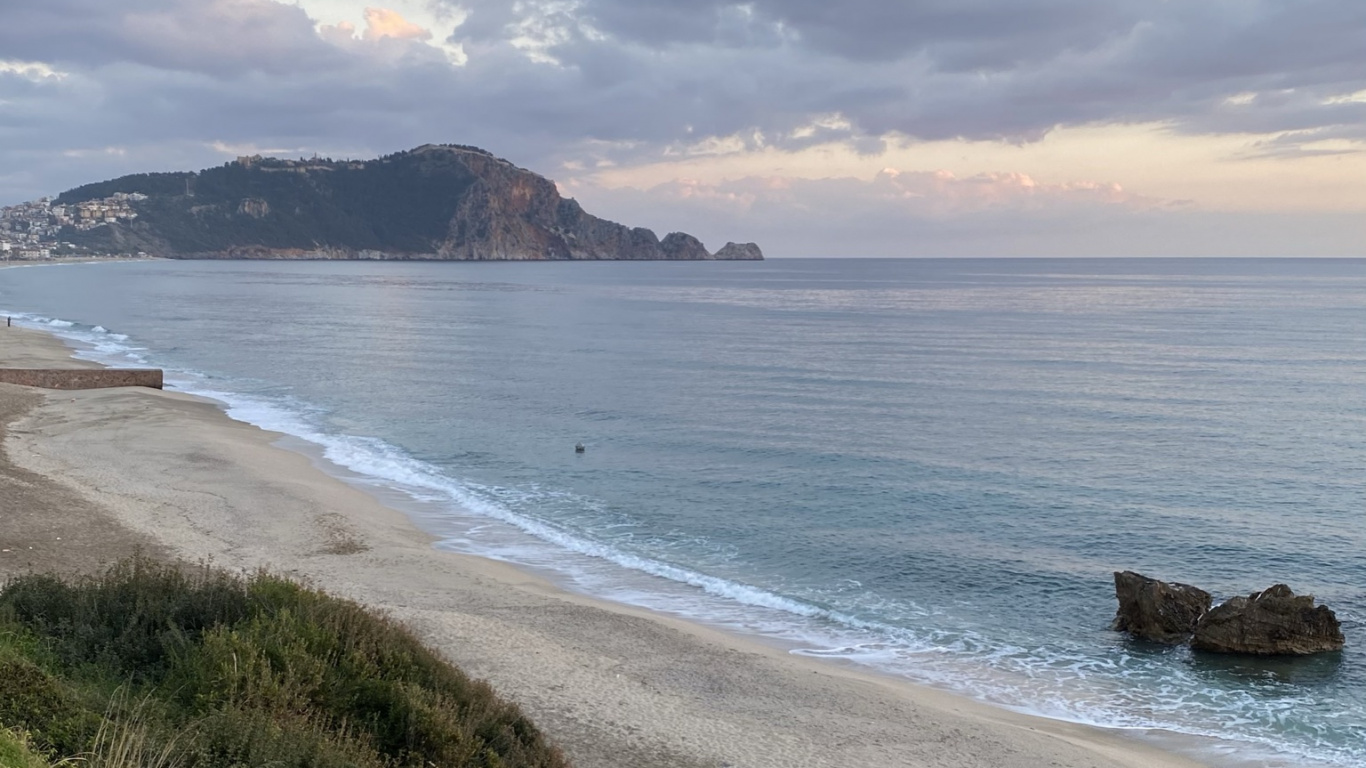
[1273,622]
[1156,610]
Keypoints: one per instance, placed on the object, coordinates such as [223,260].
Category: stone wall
[73,378]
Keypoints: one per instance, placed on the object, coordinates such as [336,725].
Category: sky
[879,128]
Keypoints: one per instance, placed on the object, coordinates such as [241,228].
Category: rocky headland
[439,202]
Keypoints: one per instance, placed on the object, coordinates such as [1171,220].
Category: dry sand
[109,471]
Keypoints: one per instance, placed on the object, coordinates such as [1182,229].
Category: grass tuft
[160,667]
[16,750]
[124,741]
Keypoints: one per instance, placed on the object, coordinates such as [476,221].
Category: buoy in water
[578,448]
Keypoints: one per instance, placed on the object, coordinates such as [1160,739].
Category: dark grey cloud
[622,80]
[955,34]
[219,37]
[977,69]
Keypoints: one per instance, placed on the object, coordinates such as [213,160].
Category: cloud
[382,22]
[938,214]
[641,76]
[972,68]
[940,194]
[391,40]
[965,35]
[216,37]
[35,71]
[626,82]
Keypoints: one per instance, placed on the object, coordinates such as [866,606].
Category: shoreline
[74,260]
[612,684]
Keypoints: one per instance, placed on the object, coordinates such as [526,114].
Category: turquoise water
[927,467]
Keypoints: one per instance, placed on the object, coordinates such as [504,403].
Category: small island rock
[682,246]
[1157,611]
[740,251]
[1275,621]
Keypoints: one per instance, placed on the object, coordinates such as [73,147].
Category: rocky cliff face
[433,202]
[513,214]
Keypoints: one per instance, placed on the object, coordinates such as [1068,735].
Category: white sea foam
[381,463]
[93,343]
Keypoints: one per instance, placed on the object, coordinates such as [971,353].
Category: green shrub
[233,672]
[15,751]
[129,619]
[54,718]
[125,739]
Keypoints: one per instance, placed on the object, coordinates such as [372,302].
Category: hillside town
[33,231]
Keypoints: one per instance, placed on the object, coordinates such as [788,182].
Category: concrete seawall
[70,378]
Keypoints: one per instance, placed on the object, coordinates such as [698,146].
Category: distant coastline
[432,203]
[94,259]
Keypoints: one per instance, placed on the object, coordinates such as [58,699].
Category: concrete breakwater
[94,378]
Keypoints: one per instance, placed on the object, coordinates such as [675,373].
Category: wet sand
[88,477]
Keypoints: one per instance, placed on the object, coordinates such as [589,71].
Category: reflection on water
[1266,672]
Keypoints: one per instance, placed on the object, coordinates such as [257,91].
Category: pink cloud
[923,193]
[383,22]
[896,213]
[380,23]
[944,193]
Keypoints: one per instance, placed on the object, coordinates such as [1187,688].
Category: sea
[926,468]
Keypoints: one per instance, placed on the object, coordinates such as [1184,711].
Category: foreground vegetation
[16,753]
[152,666]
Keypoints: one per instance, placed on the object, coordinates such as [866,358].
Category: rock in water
[680,245]
[1272,622]
[1157,611]
[739,251]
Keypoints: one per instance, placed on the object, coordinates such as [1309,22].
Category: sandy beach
[88,477]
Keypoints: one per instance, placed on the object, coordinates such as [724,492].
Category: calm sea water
[927,467]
